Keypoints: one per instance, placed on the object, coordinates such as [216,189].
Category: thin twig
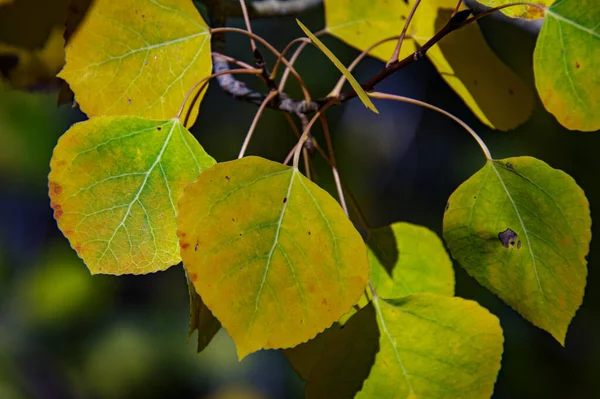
[248,26]
[271,95]
[334,169]
[386,96]
[457,7]
[396,54]
[295,56]
[284,51]
[214,75]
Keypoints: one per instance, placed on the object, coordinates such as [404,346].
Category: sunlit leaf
[114,185]
[201,319]
[406,259]
[138,58]
[565,63]
[355,85]
[426,346]
[283,246]
[522,229]
[519,11]
[489,88]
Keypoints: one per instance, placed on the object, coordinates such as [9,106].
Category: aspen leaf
[565,63]
[424,346]
[406,259]
[138,58]
[519,11]
[305,356]
[522,229]
[114,186]
[355,85]
[284,246]
[487,86]
[201,319]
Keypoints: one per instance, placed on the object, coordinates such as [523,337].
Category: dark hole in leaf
[519,244]
[507,237]
[510,167]
[158,128]
[285,200]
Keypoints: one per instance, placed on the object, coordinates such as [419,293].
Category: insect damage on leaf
[509,238]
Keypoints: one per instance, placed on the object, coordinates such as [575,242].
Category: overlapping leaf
[201,319]
[421,346]
[407,259]
[139,58]
[463,58]
[519,11]
[114,186]
[522,229]
[565,63]
[273,256]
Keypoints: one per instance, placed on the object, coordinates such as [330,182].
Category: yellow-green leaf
[201,319]
[565,63]
[522,229]
[407,259]
[355,85]
[519,11]
[138,58]
[426,346]
[487,86]
[114,186]
[273,256]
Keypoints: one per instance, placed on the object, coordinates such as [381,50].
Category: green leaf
[201,319]
[519,11]
[522,229]
[118,51]
[406,259]
[355,85]
[114,186]
[426,346]
[463,58]
[565,63]
[273,256]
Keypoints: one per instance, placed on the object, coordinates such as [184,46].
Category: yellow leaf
[487,86]
[272,255]
[519,11]
[114,185]
[138,58]
[355,85]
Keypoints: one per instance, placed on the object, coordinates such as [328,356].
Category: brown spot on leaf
[577,65]
[194,277]
[58,212]
[284,200]
[159,128]
[78,247]
[56,188]
[508,238]
[227,178]
[519,244]
[324,301]
[309,233]
[184,245]
[510,167]
[196,247]
[511,92]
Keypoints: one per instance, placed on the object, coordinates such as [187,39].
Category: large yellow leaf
[114,185]
[138,57]
[272,255]
[489,88]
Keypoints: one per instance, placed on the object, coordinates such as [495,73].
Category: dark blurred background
[67,334]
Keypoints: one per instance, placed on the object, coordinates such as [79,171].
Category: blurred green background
[67,334]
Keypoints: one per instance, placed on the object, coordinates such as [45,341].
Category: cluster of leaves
[272,257]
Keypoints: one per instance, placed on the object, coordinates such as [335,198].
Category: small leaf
[519,11]
[201,319]
[565,63]
[406,259]
[426,346]
[114,186]
[494,93]
[115,56]
[273,256]
[522,229]
[355,85]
